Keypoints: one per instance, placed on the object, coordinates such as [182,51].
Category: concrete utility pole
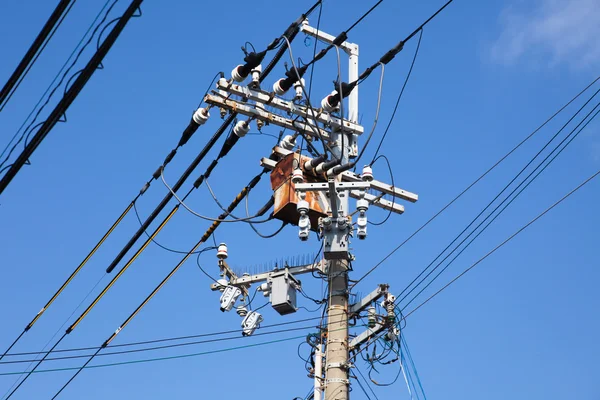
[316,198]
[337,366]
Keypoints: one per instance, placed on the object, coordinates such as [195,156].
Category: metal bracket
[249,279]
[370,298]
[326,119]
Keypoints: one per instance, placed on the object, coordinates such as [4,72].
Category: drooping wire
[250,219]
[477,180]
[154,240]
[393,185]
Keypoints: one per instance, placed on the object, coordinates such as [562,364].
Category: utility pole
[308,192]
[337,366]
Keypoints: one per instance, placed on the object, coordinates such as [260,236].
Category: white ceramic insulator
[325,103]
[298,87]
[302,206]
[256,73]
[288,142]
[236,75]
[362,205]
[297,176]
[241,129]
[201,116]
[222,251]
[367,173]
[278,89]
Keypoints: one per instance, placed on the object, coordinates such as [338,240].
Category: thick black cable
[30,127]
[500,212]
[68,99]
[412,64]
[504,157]
[37,47]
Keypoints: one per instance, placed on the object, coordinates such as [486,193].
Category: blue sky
[521,325]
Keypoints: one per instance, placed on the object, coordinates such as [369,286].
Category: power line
[504,157]
[504,242]
[50,90]
[69,96]
[35,50]
[500,193]
[500,212]
[238,199]
[157,358]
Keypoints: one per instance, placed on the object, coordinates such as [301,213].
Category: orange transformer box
[286,199]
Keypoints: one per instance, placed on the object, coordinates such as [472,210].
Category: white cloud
[555,31]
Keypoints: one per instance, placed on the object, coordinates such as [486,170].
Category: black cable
[393,185]
[237,331]
[504,157]
[67,100]
[37,47]
[29,128]
[399,97]
[200,266]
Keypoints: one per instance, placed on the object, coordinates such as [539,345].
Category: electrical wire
[181,202]
[499,213]
[154,240]
[82,48]
[159,358]
[505,199]
[326,147]
[35,50]
[168,346]
[399,97]
[237,200]
[200,266]
[367,382]
[162,340]
[465,190]
[504,242]
[393,193]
